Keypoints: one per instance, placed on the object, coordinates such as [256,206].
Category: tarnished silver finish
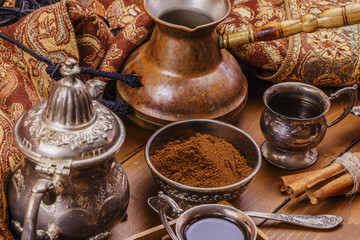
[200,212]
[96,89]
[163,203]
[352,93]
[69,130]
[185,129]
[356,111]
[322,221]
[289,160]
[291,140]
[69,142]
[43,190]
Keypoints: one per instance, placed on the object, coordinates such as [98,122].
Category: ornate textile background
[327,57]
[69,29]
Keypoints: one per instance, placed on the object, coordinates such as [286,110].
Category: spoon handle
[312,221]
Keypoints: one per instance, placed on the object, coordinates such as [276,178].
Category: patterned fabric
[327,57]
[69,29]
[11,11]
[118,13]
[9,3]
[130,37]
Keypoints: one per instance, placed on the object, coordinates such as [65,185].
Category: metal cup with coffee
[293,122]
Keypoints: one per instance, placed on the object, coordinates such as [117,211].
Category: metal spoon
[322,221]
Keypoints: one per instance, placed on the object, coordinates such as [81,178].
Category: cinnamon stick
[290,179]
[295,185]
[340,185]
[319,184]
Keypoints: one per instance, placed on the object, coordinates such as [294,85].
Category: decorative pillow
[327,57]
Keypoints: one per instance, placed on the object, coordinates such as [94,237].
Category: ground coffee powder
[201,161]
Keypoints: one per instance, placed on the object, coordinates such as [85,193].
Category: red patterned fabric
[65,29]
[119,13]
[69,29]
[128,39]
[327,57]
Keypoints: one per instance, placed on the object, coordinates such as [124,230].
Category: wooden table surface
[263,194]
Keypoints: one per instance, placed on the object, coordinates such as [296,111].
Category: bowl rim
[199,189]
[272,90]
[218,210]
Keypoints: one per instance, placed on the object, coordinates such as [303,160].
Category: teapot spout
[96,89]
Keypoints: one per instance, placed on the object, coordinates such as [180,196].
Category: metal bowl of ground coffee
[202,161]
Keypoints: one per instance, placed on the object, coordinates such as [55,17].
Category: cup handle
[42,190]
[164,202]
[352,92]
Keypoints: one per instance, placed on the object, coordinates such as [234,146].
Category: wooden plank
[141,216]
[153,233]
[263,193]
[135,139]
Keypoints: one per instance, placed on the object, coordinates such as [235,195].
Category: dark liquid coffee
[214,229]
[296,108]
[186,17]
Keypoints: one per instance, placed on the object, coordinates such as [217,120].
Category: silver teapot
[69,186]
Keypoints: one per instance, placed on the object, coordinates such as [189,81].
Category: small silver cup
[293,122]
[243,224]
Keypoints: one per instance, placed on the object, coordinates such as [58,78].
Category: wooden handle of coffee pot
[331,18]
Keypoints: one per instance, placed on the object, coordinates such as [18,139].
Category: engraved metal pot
[69,186]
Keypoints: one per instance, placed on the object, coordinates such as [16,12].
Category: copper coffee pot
[185,73]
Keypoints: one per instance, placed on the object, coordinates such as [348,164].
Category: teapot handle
[352,92]
[331,18]
[44,190]
[163,202]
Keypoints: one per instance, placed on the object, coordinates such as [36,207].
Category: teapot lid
[69,130]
